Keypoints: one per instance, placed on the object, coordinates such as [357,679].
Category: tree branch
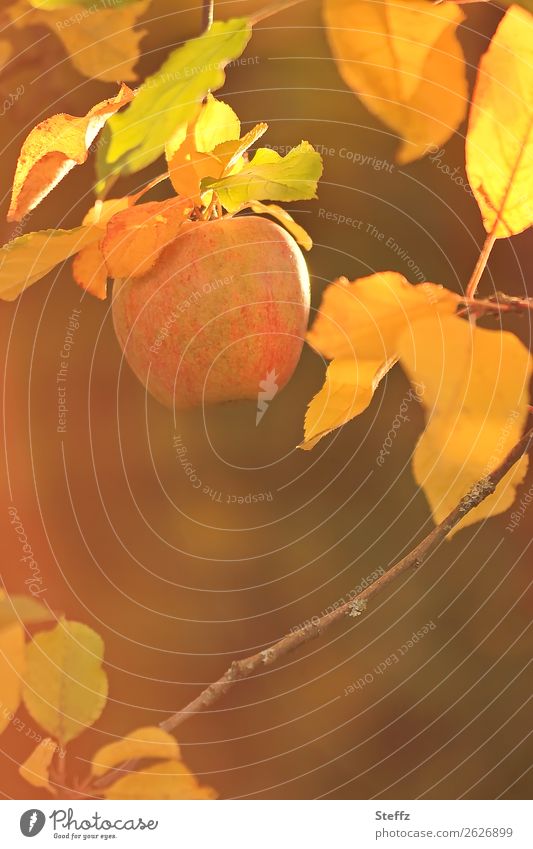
[477,273]
[241,669]
[245,668]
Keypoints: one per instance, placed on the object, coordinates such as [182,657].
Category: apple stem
[208,9]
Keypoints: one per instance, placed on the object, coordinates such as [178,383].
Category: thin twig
[498,303]
[473,283]
[241,669]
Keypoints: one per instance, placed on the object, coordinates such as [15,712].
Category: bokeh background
[179,584]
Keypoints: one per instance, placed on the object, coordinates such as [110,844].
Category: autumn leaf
[347,392]
[169,99]
[403,59]
[365,318]
[499,142]
[101,40]
[167,780]
[89,267]
[65,687]
[270,176]
[35,769]
[149,742]
[230,152]
[188,154]
[53,148]
[216,123]
[12,666]
[136,237]
[22,609]
[476,398]
[302,237]
[30,257]
[358,326]
[90,271]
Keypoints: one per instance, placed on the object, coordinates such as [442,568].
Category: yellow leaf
[35,769]
[476,398]
[348,390]
[101,42]
[365,318]
[149,742]
[65,686]
[167,780]
[12,665]
[302,237]
[22,609]
[136,237]
[53,148]
[26,259]
[217,123]
[403,59]
[499,143]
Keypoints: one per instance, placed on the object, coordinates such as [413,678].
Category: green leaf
[169,99]
[65,687]
[270,176]
[22,608]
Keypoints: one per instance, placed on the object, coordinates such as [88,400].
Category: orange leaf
[36,768]
[90,271]
[499,143]
[53,148]
[89,267]
[135,237]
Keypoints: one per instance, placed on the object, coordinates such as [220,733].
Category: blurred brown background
[179,584]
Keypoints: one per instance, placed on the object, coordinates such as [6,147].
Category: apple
[221,316]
